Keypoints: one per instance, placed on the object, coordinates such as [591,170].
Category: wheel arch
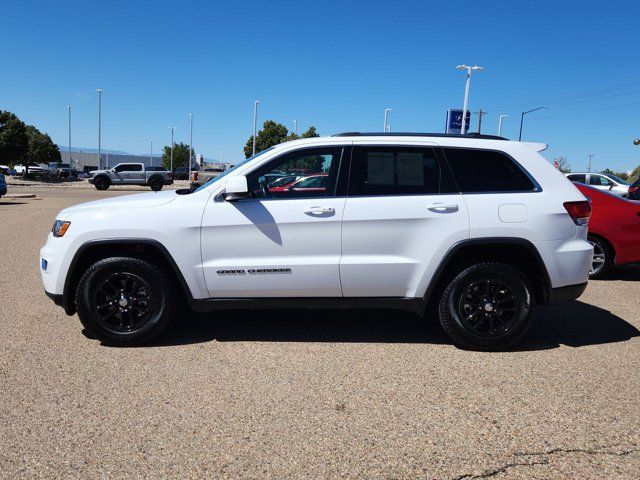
[92,251]
[518,252]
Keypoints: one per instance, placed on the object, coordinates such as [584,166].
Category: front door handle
[319,211]
[443,207]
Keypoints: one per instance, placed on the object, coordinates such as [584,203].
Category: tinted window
[156,169]
[303,173]
[395,171]
[599,181]
[578,178]
[486,171]
[129,168]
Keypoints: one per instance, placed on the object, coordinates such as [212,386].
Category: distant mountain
[64,148]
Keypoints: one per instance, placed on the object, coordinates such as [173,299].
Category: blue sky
[335,65]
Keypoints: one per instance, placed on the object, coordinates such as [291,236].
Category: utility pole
[190,142]
[172,144]
[480,115]
[590,155]
[295,127]
[255,123]
[70,159]
[151,154]
[99,90]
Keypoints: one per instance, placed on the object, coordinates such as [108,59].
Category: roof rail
[414,134]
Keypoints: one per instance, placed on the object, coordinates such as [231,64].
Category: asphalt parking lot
[322,394]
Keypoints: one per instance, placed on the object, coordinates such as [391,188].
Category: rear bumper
[563,294]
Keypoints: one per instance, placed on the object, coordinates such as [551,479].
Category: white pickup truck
[132,174]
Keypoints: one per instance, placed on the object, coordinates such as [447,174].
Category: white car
[601,181]
[482,227]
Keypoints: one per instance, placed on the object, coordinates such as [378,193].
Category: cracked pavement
[320,394]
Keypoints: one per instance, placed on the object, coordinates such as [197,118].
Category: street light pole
[99,90]
[500,124]
[295,127]
[255,123]
[70,160]
[190,142]
[522,119]
[590,155]
[386,127]
[466,92]
[151,154]
[172,144]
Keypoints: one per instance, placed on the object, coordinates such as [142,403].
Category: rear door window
[478,171]
[578,178]
[396,171]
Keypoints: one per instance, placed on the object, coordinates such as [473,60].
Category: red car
[614,230]
[312,183]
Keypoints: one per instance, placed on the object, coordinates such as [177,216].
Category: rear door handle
[319,211]
[443,207]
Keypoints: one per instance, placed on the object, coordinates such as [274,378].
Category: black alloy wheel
[487,306]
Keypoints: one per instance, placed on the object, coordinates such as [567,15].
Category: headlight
[60,228]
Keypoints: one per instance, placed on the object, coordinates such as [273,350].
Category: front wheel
[487,307]
[125,301]
[102,183]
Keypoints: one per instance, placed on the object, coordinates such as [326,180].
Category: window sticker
[410,169]
[380,168]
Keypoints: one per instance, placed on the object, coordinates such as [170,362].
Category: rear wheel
[102,183]
[602,261]
[155,184]
[125,301]
[487,307]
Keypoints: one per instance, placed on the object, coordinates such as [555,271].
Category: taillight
[579,211]
[170,174]
[634,189]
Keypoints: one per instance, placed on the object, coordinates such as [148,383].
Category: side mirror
[236,188]
[611,185]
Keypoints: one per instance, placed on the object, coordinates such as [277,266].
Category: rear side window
[395,171]
[577,178]
[486,171]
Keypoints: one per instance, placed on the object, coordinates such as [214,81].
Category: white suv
[481,227]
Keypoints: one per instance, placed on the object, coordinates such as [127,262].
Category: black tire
[155,184]
[487,307]
[602,262]
[125,301]
[102,183]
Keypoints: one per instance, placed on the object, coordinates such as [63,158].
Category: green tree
[41,148]
[635,174]
[272,133]
[14,142]
[180,155]
[310,133]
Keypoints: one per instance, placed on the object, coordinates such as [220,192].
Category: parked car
[6,170]
[64,170]
[131,174]
[601,181]
[634,190]
[614,230]
[3,185]
[35,169]
[181,173]
[482,227]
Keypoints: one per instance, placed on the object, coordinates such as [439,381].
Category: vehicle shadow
[3,203]
[574,324]
[625,272]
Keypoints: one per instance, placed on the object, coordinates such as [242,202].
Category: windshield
[618,179]
[236,166]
